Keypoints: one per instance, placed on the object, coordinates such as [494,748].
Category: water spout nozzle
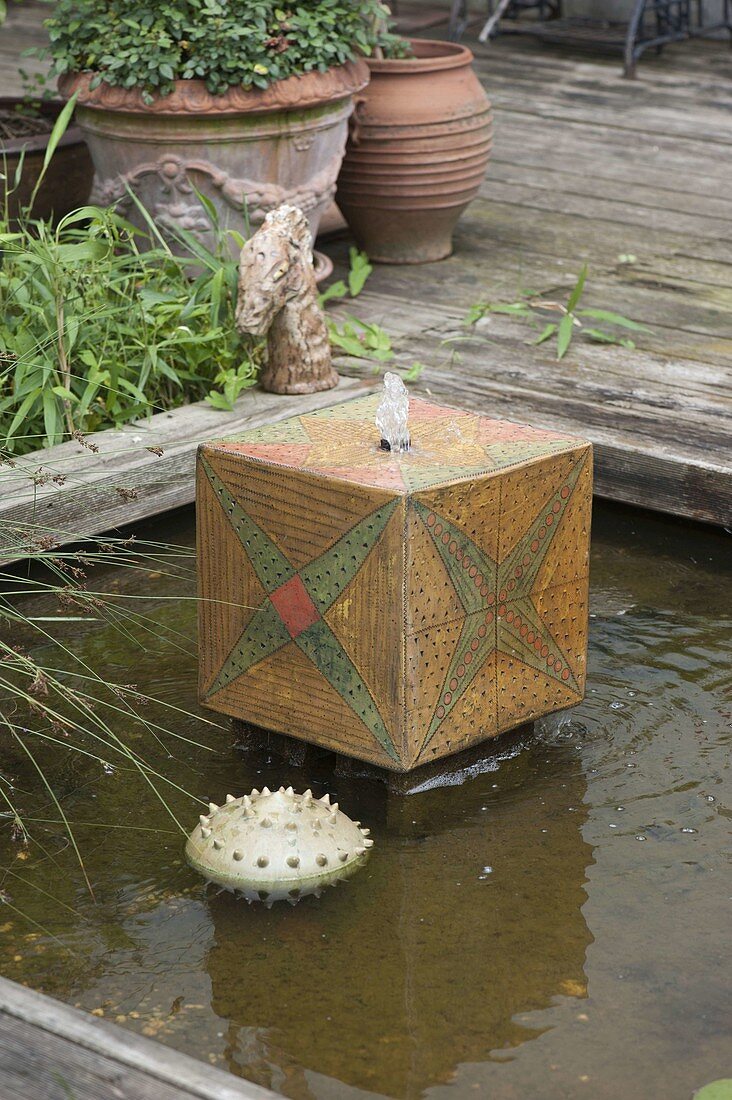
[392,415]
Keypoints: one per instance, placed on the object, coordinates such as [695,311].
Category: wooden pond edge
[126,482]
[48,1048]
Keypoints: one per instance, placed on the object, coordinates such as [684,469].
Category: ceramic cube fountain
[395,607]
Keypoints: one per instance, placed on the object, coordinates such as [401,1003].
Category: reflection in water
[553,925]
[468,913]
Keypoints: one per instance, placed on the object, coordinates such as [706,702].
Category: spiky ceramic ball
[276,844]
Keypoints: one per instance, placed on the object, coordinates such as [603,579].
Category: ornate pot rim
[191,97]
[430,56]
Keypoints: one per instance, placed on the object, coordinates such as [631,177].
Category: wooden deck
[49,1051]
[587,167]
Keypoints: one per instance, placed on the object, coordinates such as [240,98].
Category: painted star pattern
[447,444]
[295,603]
[499,612]
[493,619]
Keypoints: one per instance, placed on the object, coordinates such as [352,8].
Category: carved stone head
[275,266]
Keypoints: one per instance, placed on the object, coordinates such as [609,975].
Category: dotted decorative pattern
[446,445]
[292,612]
[499,614]
[400,607]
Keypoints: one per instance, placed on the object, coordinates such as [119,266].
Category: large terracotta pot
[417,153]
[247,150]
[68,177]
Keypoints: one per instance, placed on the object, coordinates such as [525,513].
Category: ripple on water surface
[547,919]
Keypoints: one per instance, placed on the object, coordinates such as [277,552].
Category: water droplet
[611,826]
[688,830]
[711,798]
[620,809]
[639,836]
[631,765]
[617,706]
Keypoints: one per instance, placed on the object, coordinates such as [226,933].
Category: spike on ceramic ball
[273,845]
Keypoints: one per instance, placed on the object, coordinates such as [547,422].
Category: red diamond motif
[294,606]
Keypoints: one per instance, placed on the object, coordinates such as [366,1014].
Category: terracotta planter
[68,178]
[247,151]
[417,153]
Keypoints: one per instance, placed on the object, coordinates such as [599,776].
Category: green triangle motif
[517,451]
[332,572]
[460,557]
[263,636]
[323,580]
[360,408]
[505,619]
[476,643]
[268,562]
[282,431]
[519,570]
[511,641]
[320,644]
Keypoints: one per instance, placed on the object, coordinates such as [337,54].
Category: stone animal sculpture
[278,297]
[274,845]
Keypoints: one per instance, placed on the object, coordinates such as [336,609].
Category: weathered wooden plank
[658,208]
[624,106]
[125,481]
[707,386]
[49,1051]
[701,68]
[623,211]
[687,320]
[578,78]
[660,441]
[685,168]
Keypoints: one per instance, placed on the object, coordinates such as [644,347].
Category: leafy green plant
[354,337]
[362,339]
[133,43]
[572,319]
[95,332]
[358,272]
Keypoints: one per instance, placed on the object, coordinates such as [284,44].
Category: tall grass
[51,697]
[95,330]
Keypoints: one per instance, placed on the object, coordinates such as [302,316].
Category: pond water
[553,922]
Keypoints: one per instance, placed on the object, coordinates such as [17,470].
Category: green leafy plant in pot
[245,103]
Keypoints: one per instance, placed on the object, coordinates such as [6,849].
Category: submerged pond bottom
[547,920]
